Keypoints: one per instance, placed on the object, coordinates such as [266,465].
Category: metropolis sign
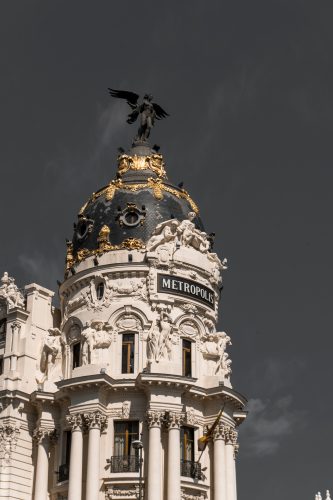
[187,288]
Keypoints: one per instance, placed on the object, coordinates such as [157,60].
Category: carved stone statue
[149,112]
[214,348]
[50,367]
[165,232]
[159,340]
[97,339]
[10,292]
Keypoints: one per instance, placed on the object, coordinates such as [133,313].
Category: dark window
[124,434]
[100,291]
[127,355]
[1,365]
[67,446]
[3,323]
[187,444]
[187,358]
[76,355]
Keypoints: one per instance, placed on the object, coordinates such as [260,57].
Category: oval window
[100,291]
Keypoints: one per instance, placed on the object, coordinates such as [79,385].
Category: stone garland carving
[191,417]
[10,292]
[75,421]
[95,420]
[50,366]
[126,408]
[97,337]
[154,418]
[8,440]
[115,492]
[213,348]
[193,495]
[160,339]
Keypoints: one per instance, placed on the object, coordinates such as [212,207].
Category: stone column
[219,463]
[43,438]
[75,465]
[16,328]
[154,419]
[96,422]
[231,444]
[174,421]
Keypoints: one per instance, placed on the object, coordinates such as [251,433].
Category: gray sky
[249,88]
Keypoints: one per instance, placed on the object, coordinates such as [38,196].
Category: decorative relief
[160,338]
[126,286]
[189,329]
[154,418]
[126,409]
[154,162]
[10,292]
[8,440]
[213,348]
[227,433]
[97,337]
[128,322]
[95,420]
[191,417]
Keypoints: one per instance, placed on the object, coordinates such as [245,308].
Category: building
[132,356]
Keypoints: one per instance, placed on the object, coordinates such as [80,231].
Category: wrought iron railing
[191,469]
[63,473]
[124,463]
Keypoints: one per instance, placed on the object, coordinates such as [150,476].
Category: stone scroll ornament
[10,292]
[147,110]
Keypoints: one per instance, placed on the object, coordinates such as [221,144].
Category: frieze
[8,440]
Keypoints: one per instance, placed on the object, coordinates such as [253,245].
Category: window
[63,473]
[3,323]
[127,354]
[187,358]
[125,457]
[187,444]
[100,290]
[76,351]
[1,365]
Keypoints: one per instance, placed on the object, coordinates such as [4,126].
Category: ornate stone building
[132,355]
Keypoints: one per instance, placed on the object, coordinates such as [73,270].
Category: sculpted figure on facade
[10,292]
[165,232]
[214,347]
[50,366]
[159,340]
[97,338]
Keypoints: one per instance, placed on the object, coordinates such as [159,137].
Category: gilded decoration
[154,162]
[156,185]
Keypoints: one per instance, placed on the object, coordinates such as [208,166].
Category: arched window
[187,358]
[76,355]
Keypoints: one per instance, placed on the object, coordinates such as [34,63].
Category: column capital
[155,418]
[231,435]
[95,420]
[173,420]
[75,421]
[42,434]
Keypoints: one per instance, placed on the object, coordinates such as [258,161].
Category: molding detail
[188,494]
[155,418]
[118,493]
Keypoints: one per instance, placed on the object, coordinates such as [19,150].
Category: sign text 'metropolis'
[188,288]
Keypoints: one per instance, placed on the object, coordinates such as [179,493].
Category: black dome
[132,205]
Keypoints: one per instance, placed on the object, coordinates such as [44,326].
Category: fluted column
[96,423]
[220,490]
[16,328]
[154,419]
[230,448]
[75,465]
[43,438]
[173,422]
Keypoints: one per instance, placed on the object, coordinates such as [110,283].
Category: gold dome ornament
[104,244]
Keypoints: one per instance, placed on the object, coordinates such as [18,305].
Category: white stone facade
[133,352]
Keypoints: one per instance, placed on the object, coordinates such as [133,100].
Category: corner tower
[132,395]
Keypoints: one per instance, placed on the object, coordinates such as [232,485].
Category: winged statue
[148,110]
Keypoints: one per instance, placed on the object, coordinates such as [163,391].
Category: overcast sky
[248,85]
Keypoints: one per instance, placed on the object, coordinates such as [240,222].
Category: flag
[203,440]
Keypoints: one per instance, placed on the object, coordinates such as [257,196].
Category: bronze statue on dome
[149,112]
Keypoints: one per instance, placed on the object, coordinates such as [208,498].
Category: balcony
[124,463]
[63,473]
[191,469]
